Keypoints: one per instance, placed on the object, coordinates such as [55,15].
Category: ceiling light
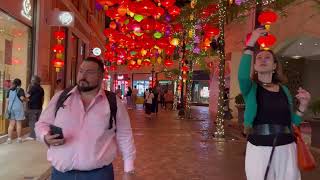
[316,44]
[300,44]
[296,57]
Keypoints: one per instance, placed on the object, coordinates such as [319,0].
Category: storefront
[200,88]
[16,49]
[122,81]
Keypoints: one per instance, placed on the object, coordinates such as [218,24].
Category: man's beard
[86,88]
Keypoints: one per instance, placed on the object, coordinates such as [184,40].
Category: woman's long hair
[278,77]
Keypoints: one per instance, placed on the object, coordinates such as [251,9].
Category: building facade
[27,40]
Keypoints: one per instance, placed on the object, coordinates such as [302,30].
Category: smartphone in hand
[56,130]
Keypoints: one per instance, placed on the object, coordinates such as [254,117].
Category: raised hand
[304,98]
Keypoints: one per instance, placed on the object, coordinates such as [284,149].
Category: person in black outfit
[129,100]
[271,149]
[35,102]
[155,101]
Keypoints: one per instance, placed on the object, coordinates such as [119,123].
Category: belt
[270,129]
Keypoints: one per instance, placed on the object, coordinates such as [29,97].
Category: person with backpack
[15,109]
[83,126]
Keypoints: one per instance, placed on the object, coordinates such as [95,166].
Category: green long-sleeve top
[248,89]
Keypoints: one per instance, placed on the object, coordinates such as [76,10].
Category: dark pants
[33,117]
[104,173]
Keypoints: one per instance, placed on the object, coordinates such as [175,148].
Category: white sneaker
[29,139]
[9,141]
[19,140]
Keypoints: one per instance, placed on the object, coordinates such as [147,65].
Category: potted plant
[240,105]
[315,123]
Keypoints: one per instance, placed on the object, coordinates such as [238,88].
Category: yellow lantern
[133,62]
[143,52]
[159,60]
[175,41]
[139,61]
[105,7]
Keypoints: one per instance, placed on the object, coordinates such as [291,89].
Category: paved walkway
[22,161]
[167,149]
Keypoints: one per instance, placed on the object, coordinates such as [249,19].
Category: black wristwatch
[250,48]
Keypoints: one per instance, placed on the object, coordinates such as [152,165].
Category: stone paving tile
[172,149]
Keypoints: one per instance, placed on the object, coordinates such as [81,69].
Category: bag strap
[270,158]
[112,98]
[15,97]
[62,98]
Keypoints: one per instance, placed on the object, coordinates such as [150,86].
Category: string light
[220,133]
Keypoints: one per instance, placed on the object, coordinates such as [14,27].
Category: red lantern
[146,62]
[113,25]
[174,10]
[167,3]
[168,62]
[267,41]
[107,2]
[185,68]
[130,67]
[169,50]
[58,48]
[148,24]
[158,12]
[267,17]
[210,31]
[136,66]
[113,13]
[122,10]
[58,63]
[177,27]
[60,35]
[113,68]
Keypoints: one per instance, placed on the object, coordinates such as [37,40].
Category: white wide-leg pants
[284,165]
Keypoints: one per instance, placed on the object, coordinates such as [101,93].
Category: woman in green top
[271,149]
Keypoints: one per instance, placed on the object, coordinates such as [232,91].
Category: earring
[256,72]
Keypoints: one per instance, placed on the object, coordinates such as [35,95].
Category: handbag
[8,113]
[306,161]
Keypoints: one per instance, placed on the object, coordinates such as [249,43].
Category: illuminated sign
[120,77]
[96,51]
[26,9]
[65,18]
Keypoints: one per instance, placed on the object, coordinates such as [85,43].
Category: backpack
[110,96]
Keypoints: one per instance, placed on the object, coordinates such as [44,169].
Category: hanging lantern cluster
[267,18]
[58,50]
[140,31]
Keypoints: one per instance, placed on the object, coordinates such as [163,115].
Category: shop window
[15,52]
